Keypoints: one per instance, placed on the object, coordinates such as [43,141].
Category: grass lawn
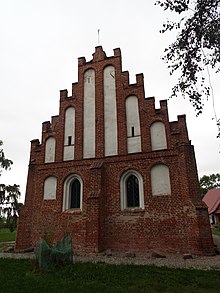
[6,235]
[19,276]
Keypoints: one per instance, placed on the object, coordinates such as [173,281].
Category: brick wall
[177,222]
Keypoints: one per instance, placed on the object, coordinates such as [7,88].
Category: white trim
[123,189]
[66,193]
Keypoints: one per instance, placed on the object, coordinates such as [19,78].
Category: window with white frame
[72,197]
[132,193]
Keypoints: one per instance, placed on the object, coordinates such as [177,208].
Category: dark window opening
[132,131]
[132,191]
[69,140]
[75,194]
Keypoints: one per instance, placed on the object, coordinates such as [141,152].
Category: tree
[196,47]
[208,182]
[9,195]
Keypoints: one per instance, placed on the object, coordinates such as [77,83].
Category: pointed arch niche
[110,112]
[158,136]
[89,114]
[133,125]
[50,150]
[69,134]
[50,188]
[160,180]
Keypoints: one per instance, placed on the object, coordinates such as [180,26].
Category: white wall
[89,114]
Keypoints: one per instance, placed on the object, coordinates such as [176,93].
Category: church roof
[212,200]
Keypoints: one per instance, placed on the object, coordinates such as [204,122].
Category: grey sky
[40,43]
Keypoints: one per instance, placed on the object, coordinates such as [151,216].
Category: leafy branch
[197,45]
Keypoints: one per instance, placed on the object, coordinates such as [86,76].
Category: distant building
[113,172]
[212,200]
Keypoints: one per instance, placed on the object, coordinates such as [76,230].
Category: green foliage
[196,45]
[208,182]
[4,163]
[87,277]
[9,195]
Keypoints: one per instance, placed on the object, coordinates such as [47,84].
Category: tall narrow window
[132,191]
[75,194]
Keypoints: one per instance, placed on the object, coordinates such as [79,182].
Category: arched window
[160,180]
[132,194]
[75,194]
[132,191]
[72,197]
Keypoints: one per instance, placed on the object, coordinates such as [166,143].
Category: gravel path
[171,260]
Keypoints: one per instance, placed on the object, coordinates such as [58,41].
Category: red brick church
[113,172]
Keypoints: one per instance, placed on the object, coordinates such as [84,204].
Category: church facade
[113,172]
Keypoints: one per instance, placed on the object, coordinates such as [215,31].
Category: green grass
[6,235]
[19,276]
[216,231]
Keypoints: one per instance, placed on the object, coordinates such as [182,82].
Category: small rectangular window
[69,140]
[132,131]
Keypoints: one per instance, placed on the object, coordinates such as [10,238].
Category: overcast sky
[40,43]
